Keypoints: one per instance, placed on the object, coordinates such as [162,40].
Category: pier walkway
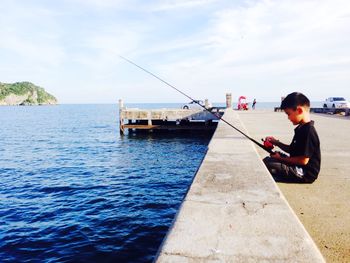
[234,211]
[324,206]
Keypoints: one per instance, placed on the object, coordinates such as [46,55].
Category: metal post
[121,119]
[149,117]
[206,103]
[228,100]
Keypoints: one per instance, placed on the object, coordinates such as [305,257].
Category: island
[24,93]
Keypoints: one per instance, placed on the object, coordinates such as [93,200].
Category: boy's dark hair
[293,100]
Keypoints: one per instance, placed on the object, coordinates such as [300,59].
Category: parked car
[193,105]
[336,102]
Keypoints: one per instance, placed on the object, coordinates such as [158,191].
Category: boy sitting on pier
[303,163]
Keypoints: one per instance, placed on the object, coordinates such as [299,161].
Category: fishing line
[197,102]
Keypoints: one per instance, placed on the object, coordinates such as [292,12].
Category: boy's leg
[282,172]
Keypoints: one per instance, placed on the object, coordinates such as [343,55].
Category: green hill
[24,93]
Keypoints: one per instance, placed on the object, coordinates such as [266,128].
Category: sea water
[72,189]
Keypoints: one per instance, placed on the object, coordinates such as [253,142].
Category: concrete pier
[234,211]
[324,206]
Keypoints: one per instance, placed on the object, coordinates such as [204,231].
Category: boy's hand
[272,140]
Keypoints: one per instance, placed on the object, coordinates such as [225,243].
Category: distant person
[302,165]
[254,102]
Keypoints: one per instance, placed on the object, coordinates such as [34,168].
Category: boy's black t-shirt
[306,143]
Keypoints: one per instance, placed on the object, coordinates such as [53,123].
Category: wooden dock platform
[134,119]
[167,119]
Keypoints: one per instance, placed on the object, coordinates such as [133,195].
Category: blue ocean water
[73,190]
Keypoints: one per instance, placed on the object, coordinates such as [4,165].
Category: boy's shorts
[282,172]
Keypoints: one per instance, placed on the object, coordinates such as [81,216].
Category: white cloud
[28,35]
[34,52]
[180,4]
[102,4]
[266,43]
[102,49]
[206,47]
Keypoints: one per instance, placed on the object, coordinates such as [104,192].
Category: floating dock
[135,119]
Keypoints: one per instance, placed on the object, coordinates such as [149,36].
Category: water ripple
[73,190]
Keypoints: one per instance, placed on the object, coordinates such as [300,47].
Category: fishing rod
[267,148]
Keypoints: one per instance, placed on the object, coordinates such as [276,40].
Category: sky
[205,48]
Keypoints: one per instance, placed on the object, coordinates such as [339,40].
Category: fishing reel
[267,144]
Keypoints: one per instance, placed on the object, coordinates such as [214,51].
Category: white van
[336,102]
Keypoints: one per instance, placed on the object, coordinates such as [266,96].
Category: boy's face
[295,116]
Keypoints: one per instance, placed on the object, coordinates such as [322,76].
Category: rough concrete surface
[324,206]
[234,211]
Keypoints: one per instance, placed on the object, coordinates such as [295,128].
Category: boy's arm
[282,146]
[296,160]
